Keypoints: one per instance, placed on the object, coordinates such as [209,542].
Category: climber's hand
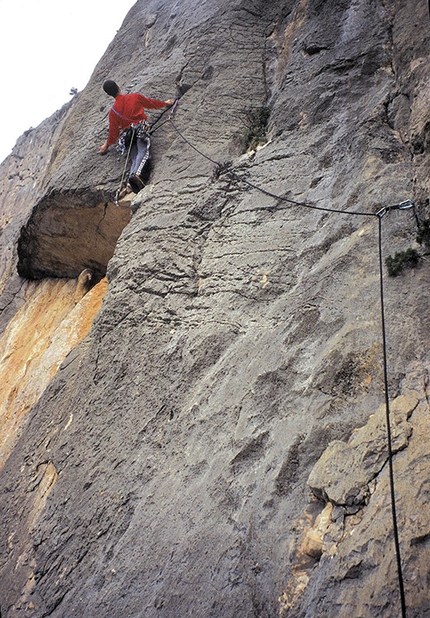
[103,148]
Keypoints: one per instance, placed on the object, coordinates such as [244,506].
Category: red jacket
[129,109]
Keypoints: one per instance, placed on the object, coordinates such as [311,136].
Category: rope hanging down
[387,416]
[404,205]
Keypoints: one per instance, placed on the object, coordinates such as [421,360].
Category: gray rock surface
[344,471]
[240,334]
[357,559]
[24,177]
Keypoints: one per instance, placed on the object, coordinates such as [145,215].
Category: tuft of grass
[256,127]
[401,260]
[423,235]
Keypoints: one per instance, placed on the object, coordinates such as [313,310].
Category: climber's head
[111,88]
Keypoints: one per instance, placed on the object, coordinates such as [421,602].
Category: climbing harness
[139,130]
[403,205]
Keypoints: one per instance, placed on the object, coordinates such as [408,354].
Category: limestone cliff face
[215,444]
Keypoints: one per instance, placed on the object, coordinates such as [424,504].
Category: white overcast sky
[48,47]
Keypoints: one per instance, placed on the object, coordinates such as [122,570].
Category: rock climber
[128,110]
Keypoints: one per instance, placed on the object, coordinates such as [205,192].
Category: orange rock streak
[48,326]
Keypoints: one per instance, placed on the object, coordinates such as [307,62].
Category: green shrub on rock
[401,260]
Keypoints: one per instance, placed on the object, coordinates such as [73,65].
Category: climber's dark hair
[111,88]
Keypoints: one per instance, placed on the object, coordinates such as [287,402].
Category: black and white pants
[140,156]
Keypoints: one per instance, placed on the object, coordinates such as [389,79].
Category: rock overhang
[69,231]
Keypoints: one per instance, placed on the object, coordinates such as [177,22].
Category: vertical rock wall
[23,181]
[164,470]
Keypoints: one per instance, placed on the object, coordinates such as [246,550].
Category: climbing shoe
[136,183]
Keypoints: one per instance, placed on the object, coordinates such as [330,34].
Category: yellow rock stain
[55,317]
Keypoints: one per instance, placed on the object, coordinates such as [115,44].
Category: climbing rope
[261,189]
[169,109]
[387,416]
[403,205]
